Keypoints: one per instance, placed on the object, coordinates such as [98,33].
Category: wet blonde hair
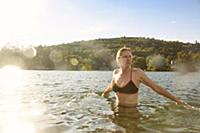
[120,51]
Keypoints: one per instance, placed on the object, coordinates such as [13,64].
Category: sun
[10,68]
[20,18]
[10,76]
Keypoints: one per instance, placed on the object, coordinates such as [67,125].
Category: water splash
[185,68]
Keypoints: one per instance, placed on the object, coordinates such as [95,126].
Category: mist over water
[70,101]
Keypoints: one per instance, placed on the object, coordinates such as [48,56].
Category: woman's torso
[129,81]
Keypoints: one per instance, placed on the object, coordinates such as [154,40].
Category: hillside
[99,54]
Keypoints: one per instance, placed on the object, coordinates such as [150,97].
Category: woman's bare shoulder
[115,72]
[138,70]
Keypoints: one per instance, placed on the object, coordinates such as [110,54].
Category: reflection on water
[70,101]
[10,77]
[126,117]
[20,109]
[12,124]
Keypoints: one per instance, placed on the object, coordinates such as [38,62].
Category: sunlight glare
[10,77]
[14,125]
[10,68]
[19,17]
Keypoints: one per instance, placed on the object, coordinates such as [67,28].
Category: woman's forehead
[126,52]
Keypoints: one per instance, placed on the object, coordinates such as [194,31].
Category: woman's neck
[125,69]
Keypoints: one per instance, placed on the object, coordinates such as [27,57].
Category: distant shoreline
[149,54]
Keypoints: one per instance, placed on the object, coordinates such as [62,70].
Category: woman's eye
[126,56]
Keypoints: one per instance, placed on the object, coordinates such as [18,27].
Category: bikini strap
[131,74]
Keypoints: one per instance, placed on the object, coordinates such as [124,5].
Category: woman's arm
[160,90]
[109,86]
[107,89]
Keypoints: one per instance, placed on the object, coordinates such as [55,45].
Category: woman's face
[125,59]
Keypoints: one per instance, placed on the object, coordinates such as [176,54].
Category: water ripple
[70,101]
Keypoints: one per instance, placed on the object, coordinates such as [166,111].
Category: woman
[126,81]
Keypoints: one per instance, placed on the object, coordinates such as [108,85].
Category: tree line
[148,53]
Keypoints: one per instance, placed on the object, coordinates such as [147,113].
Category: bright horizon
[52,22]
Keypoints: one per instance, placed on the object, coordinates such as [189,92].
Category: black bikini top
[129,88]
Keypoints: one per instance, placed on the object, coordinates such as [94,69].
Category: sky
[52,22]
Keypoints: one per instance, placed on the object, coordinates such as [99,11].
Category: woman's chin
[124,67]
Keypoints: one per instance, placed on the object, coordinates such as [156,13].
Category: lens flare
[56,56]
[29,52]
[158,61]
[74,61]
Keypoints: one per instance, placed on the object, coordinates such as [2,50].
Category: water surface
[70,101]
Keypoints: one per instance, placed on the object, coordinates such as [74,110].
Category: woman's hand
[187,106]
[103,94]
[107,90]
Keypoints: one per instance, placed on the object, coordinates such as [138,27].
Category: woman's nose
[129,57]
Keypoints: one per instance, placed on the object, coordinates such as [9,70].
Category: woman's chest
[123,80]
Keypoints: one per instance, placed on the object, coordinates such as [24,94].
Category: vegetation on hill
[148,53]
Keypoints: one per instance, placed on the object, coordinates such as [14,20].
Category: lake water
[70,102]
